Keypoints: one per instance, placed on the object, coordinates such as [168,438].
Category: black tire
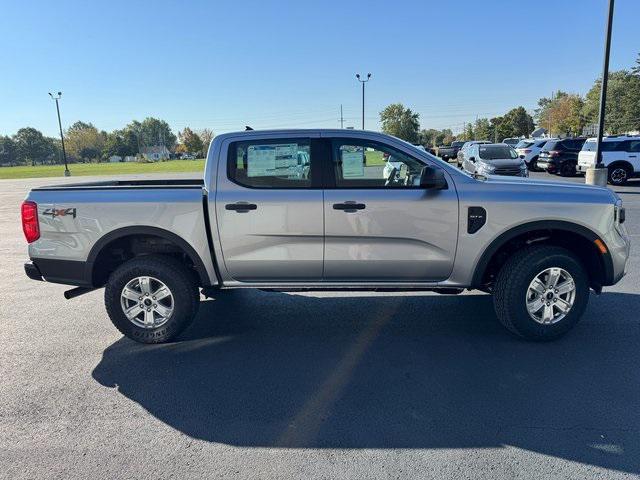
[533,165]
[618,174]
[178,279]
[512,284]
[567,169]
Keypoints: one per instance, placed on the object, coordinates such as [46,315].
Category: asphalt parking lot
[323,385]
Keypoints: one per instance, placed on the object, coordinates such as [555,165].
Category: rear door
[380,225]
[269,209]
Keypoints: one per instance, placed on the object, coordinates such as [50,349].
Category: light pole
[598,174]
[67,173]
[363,82]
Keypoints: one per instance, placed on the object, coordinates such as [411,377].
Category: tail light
[527,150]
[554,153]
[30,225]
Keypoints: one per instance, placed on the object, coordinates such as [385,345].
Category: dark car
[449,152]
[561,156]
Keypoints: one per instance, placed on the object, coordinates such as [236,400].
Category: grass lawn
[374,157]
[83,169]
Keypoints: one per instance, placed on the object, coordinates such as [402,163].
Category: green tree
[518,123]
[206,135]
[635,70]
[482,129]
[467,133]
[563,114]
[32,147]
[190,140]
[400,122]
[8,151]
[84,141]
[152,131]
[623,103]
[119,142]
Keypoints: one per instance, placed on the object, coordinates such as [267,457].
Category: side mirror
[522,157]
[433,178]
[472,159]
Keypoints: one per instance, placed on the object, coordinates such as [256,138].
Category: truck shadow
[412,371]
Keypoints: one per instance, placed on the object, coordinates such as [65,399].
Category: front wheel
[541,292]
[152,298]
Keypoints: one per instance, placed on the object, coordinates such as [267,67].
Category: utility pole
[598,174]
[341,118]
[363,82]
[550,114]
[67,173]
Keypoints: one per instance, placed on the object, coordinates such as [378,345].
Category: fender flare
[500,240]
[146,230]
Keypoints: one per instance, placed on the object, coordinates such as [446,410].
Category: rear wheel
[618,174]
[568,169]
[151,299]
[541,292]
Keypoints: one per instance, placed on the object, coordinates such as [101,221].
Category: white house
[155,153]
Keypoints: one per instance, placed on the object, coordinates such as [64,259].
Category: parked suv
[620,154]
[463,150]
[561,156]
[494,159]
[529,149]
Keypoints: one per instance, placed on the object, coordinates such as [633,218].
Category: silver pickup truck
[317,210]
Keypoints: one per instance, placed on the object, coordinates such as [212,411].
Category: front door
[380,225]
[269,210]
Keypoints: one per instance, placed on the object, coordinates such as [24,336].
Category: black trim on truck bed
[127,184]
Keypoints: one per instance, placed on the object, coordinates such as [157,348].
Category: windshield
[497,152]
[457,144]
[523,144]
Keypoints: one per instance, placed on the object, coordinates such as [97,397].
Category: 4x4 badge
[60,212]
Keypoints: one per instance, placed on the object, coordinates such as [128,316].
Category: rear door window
[282,163]
[634,146]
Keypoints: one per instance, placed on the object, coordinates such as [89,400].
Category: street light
[598,174]
[67,173]
[363,82]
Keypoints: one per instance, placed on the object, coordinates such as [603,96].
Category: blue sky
[223,65]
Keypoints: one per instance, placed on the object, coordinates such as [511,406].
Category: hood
[504,163]
[551,185]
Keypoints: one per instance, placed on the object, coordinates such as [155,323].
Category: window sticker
[352,164]
[271,160]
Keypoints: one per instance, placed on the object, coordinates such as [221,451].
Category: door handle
[241,207]
[349,206]
[633,156]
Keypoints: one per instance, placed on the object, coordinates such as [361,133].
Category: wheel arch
[579,238]
[95,261]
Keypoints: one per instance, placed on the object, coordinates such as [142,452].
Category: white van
[620,154]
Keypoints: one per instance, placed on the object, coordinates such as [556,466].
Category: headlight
[619,213]
[484,168]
